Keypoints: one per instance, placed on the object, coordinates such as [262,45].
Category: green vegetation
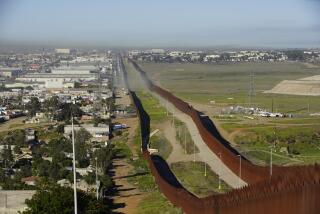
[184,138]
[33,106]
[151,105]
[225,81]
[143,178]
[157,203]
[291,145]
[192,177]
[162,144]
[51,198]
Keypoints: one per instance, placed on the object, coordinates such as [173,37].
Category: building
[10,72]
[101,131]
[30,180]
[62,50]
[57,78]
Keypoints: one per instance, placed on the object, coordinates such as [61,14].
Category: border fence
[294,189]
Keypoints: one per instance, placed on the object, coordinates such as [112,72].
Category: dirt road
[128,197]
[205,154]
[177,154]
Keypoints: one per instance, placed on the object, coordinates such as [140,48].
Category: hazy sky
[165,23]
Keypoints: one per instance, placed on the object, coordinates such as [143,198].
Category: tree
[7,155]
[53,199]
[65,111]
[81,137]
[77,85]
[90,178]
[52,105]
[33,106]
[29,88]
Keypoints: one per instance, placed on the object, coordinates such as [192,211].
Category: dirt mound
[309,86]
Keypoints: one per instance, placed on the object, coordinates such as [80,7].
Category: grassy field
[192,176]
[229,84]
[291,145]
[157,203]
[151,105]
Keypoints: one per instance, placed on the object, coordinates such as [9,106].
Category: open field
[229,84]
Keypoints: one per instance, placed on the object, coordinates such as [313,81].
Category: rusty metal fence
[290,189]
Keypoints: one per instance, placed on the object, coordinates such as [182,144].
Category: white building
[62,51]
[101,131]
[44,77]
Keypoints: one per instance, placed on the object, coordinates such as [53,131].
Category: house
[30,180]
[30,134]
[27,156]
[64,183]
[81,171]
[38,118]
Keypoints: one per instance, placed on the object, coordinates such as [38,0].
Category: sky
[165,23]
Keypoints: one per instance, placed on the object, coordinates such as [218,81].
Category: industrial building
[44,77]
[10,72]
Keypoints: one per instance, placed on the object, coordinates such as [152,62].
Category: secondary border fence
[289,190]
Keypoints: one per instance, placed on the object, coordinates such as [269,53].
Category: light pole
[97,187]
[185,140]
[219,187]
[239,169]
[74,170]
[173,117]
[273,146]
[205,169]
[270,162]
[167,107]
[194,152]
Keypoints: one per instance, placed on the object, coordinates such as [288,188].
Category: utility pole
[251,89]
[74,170]
[97,186]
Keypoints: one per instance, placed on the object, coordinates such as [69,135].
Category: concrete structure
[13,201]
